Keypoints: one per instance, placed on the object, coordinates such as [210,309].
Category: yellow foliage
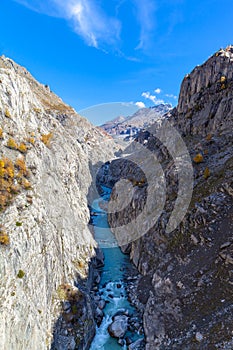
[37,110]
[208,137]
[206,173]
[3,201]
[2,172]
[10,172]
[46,139]
[26,184]
[223,79]
[6,168]
[12,144]
[4,238]
[8,163]
[8,187]
[198,158]
[22,147]
[7,113]
[21,165]
[1,133]
[3,185]
[14,189]
[9,168]
[31,140]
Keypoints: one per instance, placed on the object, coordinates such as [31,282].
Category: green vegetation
[18,223]
[20,274]
[68,292]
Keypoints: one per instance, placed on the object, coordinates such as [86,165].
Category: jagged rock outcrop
[46,156]
[205,100]
[189,304]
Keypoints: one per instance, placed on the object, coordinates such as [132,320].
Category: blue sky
[95,52]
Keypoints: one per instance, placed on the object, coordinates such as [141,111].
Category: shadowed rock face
[189,304]
[45,243]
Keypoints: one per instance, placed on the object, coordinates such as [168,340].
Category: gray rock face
[188,305]
[45,242]
[205,104]
[118,327]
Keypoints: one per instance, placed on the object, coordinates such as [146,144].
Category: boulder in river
[118,327]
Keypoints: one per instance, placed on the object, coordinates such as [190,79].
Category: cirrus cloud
[146,17]
[87,18]
[92,22]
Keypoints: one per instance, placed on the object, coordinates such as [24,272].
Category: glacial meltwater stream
[112,285]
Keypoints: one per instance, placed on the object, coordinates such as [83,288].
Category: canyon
[54,164]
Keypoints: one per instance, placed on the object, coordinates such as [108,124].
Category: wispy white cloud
[88,20]
[92,23]
[158,91]
[146,17]
[147,95]
[171,96]
[140,104]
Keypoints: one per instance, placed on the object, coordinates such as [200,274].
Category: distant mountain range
[131,125]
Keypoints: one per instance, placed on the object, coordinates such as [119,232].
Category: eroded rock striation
[47,152]
[187,288]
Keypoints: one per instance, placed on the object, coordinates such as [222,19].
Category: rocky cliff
[187,283]
[47,152]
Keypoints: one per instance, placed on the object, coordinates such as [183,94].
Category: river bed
[112,287]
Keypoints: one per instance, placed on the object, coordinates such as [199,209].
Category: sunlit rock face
[47,156]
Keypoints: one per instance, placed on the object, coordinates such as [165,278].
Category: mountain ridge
[133,124]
